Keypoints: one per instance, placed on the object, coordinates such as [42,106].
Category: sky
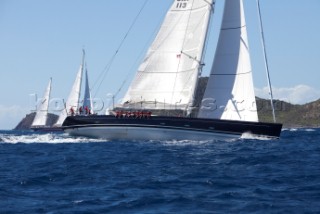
[42,39]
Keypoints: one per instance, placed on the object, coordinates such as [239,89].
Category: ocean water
[56,173]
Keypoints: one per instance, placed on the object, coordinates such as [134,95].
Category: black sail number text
[182,3]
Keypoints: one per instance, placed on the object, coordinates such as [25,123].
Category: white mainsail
[42,111]
[87,101]
[230,92]
[168,75]
[73,99]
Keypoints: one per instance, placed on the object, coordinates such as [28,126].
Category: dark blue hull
[126,127]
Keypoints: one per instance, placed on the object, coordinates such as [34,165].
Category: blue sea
[56,173]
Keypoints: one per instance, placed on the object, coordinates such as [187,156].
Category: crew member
[87,110]
[71,111]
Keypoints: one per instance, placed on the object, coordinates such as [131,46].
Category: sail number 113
[182,3]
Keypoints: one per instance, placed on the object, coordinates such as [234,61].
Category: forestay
[230,92]
[167,77]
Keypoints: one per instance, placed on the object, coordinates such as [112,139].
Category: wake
[249,136]
[45,138]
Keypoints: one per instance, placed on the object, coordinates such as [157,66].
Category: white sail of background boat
[73,100]
[41,116]
[167,79]
[87,100]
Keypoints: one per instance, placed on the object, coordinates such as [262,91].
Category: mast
[266,61]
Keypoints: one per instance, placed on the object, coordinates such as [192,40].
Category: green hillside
[307,115]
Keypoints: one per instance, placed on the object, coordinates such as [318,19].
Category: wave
[310,130]
[184,142]
[55,138]
[45,138]
[300,129]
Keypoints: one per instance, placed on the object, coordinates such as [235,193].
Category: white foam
[310,130]
[299,129]
[188,142]
[250,136]
[45,138]
[77,201]
[185,142]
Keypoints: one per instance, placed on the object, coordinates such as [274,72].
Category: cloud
[10,116]
[299,94]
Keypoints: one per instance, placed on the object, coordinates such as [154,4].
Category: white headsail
[168,75]
[73,99]
[230,92]
[42,111]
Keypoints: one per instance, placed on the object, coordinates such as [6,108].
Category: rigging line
[233,28]
[130,70]
[128,74]
[266,61]
[191,57]
[104,75]
[236,74]
[208,36]
[211,4]
[105,71]
[138,59]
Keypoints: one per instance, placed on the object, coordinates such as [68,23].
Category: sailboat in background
[71,106]
[166,82]
[40,119]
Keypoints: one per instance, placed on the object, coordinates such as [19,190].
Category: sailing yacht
[73,102]
[159,104]
[73,105]
[40,120]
